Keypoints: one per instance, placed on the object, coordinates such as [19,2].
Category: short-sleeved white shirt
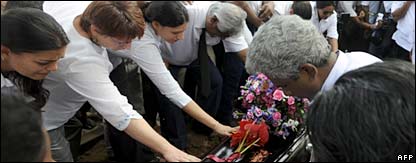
[328,25]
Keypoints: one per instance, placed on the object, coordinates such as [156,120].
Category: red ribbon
[215,158]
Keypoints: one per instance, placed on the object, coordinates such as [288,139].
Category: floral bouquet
[264,102]
[265,109]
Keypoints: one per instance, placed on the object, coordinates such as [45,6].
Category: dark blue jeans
[172,120]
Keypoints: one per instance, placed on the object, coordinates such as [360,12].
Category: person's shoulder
[80,56]
[199,7]
[149,37]
[362,58]
[5,82]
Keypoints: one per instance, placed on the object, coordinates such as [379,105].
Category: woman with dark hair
[32,42]
[302,8]
[94,27]
[325,20]
[369,115]
[166,22]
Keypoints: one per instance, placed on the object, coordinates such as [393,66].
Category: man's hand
[187,2]
[266,11]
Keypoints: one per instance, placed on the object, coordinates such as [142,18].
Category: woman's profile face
[35,65]
[171,34]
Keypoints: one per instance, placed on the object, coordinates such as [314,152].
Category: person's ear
[309,70]
[94,29]
[213,20]
[5,52]
[156,25]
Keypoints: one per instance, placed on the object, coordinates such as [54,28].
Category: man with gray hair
[209,23]
[297,58]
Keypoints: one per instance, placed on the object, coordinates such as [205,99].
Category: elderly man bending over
[297,58]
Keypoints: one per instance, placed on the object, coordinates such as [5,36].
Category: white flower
[296,123]
[290,122]
[255,85]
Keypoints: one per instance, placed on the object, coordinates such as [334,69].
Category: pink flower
[278,95]
[244,92]
[250,115]
[277,116]
[250,97]
[262,76]
[291,100]
[258,112]
[305,101]
[257,91]
[292,109]
[305,104]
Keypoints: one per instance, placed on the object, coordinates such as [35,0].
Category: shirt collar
[337,70]
[153,32]
[5,82]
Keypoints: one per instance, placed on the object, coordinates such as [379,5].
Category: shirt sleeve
[235,43]
[148,57]
[93,82]
[332,29]
[396,5]
[348,8]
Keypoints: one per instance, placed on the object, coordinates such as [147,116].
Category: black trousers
[125,148]
[172,119]
[232,69]
[399,53]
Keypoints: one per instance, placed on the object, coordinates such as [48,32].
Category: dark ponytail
[166,13]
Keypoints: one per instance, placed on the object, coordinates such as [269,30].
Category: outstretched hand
[176,155]
[225,130]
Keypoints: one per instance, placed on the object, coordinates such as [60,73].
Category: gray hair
[230,17]
[285,43]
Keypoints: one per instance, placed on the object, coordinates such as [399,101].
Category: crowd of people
[352,59]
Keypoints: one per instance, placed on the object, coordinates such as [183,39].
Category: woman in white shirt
[84,73]
[165,24]
[325,20]
[31,44]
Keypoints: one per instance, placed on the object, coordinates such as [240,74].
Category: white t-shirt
[283,7]
[184,52]
[328,25]
[347,62]
[146,53]
[405,25]
[82,75]
[412,40]
[346,7]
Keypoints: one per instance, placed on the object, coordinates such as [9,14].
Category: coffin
[291,149]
